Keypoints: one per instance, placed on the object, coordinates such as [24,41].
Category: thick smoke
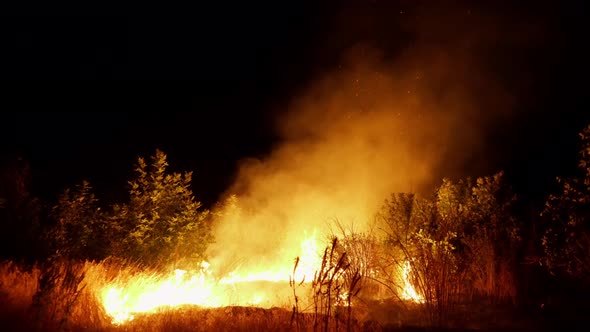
[375,125]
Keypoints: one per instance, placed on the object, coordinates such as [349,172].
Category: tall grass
[17,284]
[17,288]
[63,296]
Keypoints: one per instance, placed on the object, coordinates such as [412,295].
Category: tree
[566,241]
[81,230]
[163,222]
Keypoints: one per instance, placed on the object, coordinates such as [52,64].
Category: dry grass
[222,319]
[17,288]
[17,285]
[62,297]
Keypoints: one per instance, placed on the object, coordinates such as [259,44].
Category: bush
[566,241]
[456,244]
[161,224]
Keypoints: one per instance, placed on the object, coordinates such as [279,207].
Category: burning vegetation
[432,251]
[346,216]
[425,254]
[318,199]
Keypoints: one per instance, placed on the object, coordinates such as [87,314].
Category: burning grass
[74,296]
[113,295]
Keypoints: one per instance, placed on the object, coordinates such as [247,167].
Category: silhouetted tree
[566,241]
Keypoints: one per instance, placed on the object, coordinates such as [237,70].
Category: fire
[144,293]
[310,260]
[409,292]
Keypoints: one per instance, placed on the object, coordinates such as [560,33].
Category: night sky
[84,94]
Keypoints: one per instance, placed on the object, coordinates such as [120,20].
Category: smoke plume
[375,125]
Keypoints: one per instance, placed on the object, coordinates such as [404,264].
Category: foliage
[453,242]
[419,237]
[491,237]
[81,230]
[227,208]
[566,241]
[162,221]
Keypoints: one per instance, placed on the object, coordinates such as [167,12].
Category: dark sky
[85,93]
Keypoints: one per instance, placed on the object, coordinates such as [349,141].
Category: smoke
[375,125]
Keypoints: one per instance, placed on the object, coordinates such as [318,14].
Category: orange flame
[408,291]
[144,293]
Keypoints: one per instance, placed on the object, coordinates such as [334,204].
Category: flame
[409,292]
[145,293]
[310,260]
